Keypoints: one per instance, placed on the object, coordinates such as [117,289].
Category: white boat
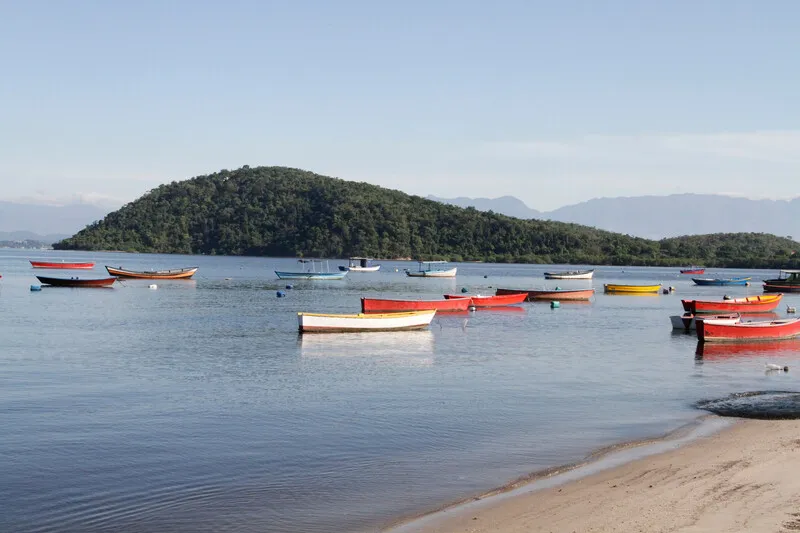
[570,274]
[688,321]
[332,323]
[428,270]
[359,264]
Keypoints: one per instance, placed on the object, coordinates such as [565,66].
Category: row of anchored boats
[114,274]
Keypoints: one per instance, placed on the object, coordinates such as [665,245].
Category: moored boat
[693,270]
[379,305]
[427,270]
[750,304]
[359,264]
[768,330]
[563,295]
[721,281]
[688,321]
[337,323]
[62,265]
[311,271]
[570,274]
[631,289]
[490,301]
[77,282]
[176,273]
[787,281]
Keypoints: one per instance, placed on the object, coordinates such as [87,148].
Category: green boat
[787,281]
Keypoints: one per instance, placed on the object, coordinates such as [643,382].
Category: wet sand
[745,478]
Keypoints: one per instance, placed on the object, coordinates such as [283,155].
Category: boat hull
[631,289]
[449,273]
[178,273]
[751,304]
[563,295]
[378,305]
[69,266]
[311,275]
[695,271]
[721,282]
[571,274]
[331,323]
[490,301]
[779,287]
[688,322]
[76,282]
[713,331]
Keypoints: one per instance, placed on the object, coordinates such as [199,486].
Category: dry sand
[745,478]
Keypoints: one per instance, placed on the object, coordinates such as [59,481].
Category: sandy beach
[743,478]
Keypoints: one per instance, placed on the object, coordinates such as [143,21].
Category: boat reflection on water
[401,348]
[713,351]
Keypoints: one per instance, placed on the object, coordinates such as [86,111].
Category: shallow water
[198,407]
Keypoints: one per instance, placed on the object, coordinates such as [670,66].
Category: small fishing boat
[312,271]
[490,301]
[750,304]
[570,274]
[62,265]
[359,264]
[378,305]
[693,270]
[768,330]
[332,323]
[563,295]
[77,282]
[787,281]
[631,289]
[688,321]
[176,273]
[428,270]
[721,281]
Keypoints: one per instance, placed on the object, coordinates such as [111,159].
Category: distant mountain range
[657,217]
[45,223]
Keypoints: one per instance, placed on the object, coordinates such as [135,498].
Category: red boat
[48,264]
[693,271]
[77,282]
[377,305]
[751,304]
[769,330]
[564,295]
[490,301]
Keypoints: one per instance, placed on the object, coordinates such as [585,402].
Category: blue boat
[721,281]
[311,272]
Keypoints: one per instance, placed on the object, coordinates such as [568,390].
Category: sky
[552,102]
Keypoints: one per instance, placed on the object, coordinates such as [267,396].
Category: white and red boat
[333,323]
[688,321]
[61,264]
[378,305]
[766,330]
[490,301]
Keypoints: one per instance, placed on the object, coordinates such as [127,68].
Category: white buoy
[772,366]
[790,309]
[153,286]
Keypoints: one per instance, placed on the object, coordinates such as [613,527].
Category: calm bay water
[198,407]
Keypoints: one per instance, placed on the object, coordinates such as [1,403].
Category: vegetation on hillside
[276,211]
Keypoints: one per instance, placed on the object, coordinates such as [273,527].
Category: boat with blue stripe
[722,281]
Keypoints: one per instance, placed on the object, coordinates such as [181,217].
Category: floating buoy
[228,279]
[290,286]
[472,308]
[791,310]
[280,294]
[558,288]
[746,283]
[153,286]
[485,276]
[665,291]
[671,289]
[726,297]
[36,287]
[555,304]
[464,289]
[771,366]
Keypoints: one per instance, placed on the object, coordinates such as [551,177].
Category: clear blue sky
[553,102]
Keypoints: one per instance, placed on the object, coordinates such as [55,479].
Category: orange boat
[490,301]
[177,273]
[62,264]
[377,305]
[768,330]
[564,295]
[751,304]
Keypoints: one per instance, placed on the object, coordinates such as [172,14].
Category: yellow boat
[632,289]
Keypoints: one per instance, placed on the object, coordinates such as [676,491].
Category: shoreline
[652,484]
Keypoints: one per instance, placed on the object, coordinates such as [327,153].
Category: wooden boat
[77,282]
[721,281]
[378,305]
[688,321]
[329,323]
[570,274]
[62,265]
[359,264]
[490,301]
[631,289]
[750,304]
[768,330]
[693,270]
[787,281]
[312,272]
[427,270]
[176,273]
[562,295]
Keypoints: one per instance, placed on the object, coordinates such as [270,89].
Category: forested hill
[276,211]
